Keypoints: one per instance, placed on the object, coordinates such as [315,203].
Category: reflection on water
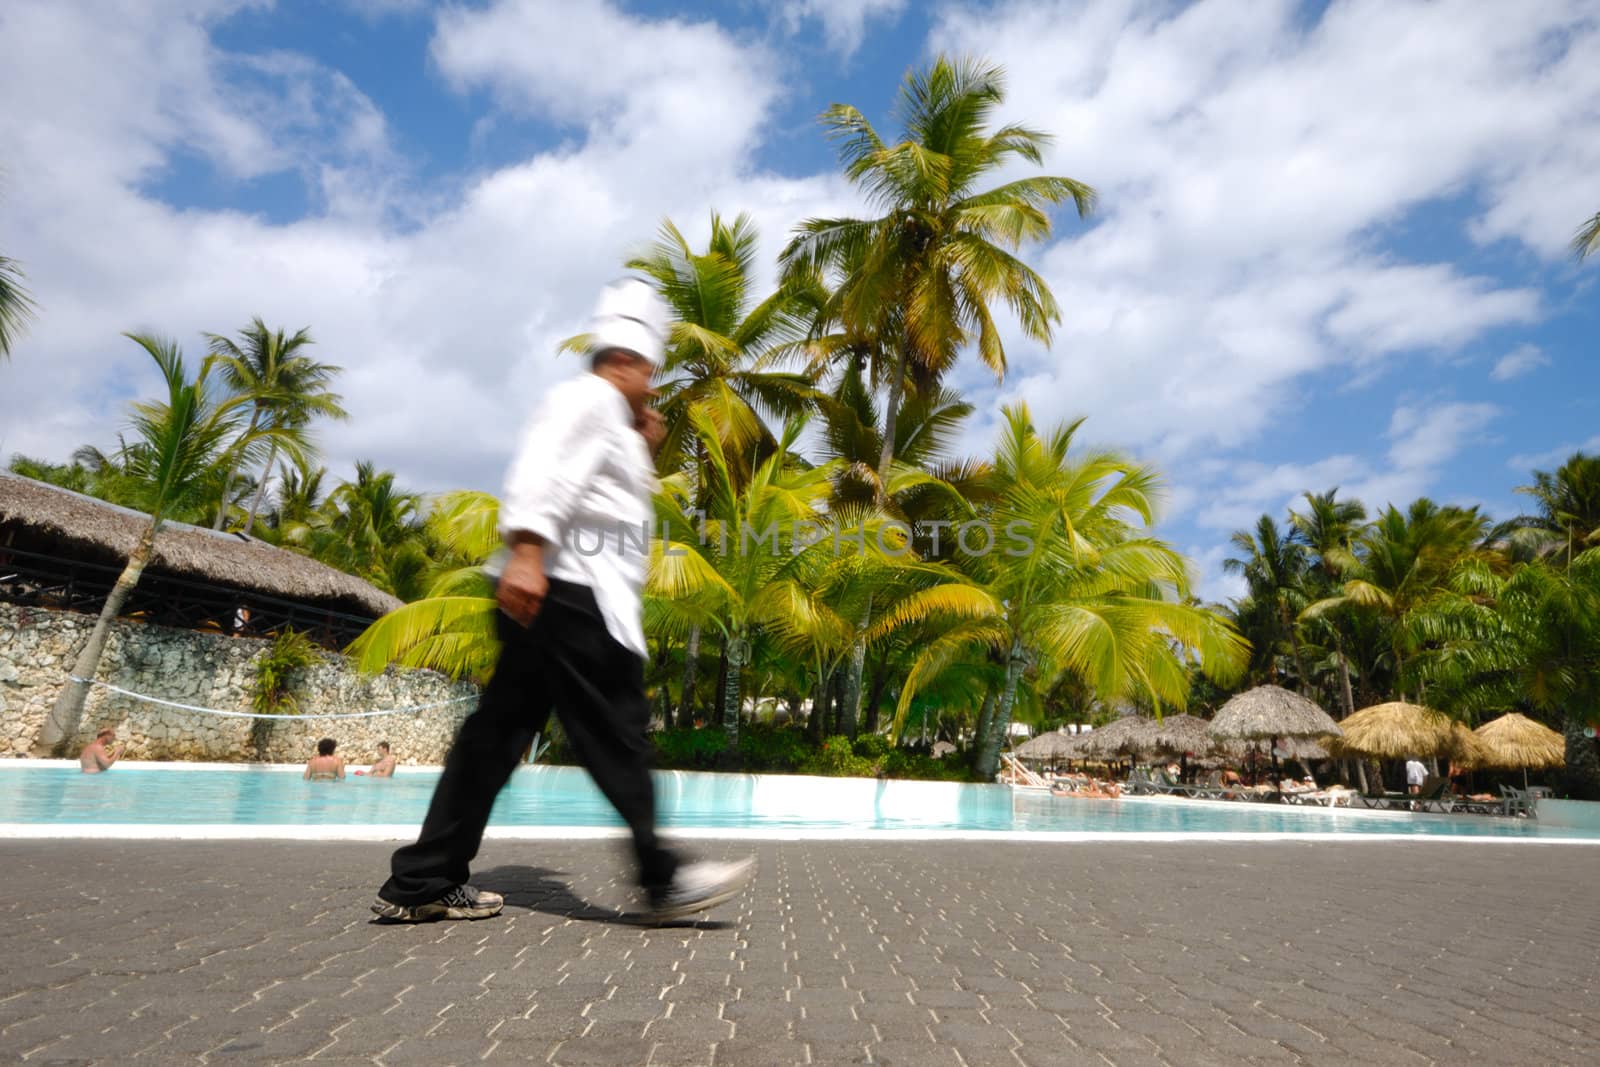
[565,796]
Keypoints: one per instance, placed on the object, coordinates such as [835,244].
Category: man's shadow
[542,890]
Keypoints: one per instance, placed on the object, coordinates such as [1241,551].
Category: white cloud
[844,22]
[1517,362]
[1425,437]
[1552,457]
[443,304]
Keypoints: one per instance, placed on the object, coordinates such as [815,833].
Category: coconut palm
[1405,562]
[175,448]
[1274,566]
[370,528]
[1587,240]
[1529,640]
[1090,592]
[1569,505]
[16,306]
[1328,528]
[921,277]
[286,389]
[737,570]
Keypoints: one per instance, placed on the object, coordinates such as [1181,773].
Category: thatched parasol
[1180,734]
[1120,737]
[1051,746]
[1268,712]
[1397,730]
[1514,740]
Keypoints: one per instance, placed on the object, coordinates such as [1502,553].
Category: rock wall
[38,646]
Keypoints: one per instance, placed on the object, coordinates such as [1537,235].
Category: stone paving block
[842,952]
[594,1052]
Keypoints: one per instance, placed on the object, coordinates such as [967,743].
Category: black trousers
[567,661]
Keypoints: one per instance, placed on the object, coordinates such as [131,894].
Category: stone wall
[38,646]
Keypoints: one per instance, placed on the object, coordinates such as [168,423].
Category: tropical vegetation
[837,588]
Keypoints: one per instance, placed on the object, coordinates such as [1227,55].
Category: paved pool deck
[897,952]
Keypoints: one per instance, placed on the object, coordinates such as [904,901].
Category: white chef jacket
[583,479]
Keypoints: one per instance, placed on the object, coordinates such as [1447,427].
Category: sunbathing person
[324,766]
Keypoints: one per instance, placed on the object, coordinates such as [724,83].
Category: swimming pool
[51,798]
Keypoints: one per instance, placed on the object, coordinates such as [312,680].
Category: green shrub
[689,749]
[870,747]
[271,676]
[766,747]
[837,759]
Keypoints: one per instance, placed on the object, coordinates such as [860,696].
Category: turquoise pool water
[564,797]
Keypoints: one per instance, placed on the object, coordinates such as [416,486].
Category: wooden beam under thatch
[94,531]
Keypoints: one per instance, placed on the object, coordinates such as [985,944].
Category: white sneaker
[698,886]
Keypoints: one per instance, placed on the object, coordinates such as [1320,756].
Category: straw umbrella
[1514,740]
[1269,712]
[1180,735]
[1397,730]
[1053,745]
[1128,735]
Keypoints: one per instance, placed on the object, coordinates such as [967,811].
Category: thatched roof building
[66,528]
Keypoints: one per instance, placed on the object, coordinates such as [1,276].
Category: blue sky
[1330,247]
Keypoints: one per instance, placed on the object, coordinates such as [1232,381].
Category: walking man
[575,517]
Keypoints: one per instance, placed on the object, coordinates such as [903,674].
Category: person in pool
[383,767]
[94,758]
[325,766]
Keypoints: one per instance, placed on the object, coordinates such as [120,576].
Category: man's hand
[523,585]
[652,427]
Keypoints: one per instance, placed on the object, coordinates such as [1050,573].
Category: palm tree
[1274,567]
[1569,504]
[16,306]
[1405,562]
[176,447]
[370,528]
[738,569]
[1587,240]
[1328,528]
[1533,643]
[1092,593]
[922,276]
[726,346]
[724,355]
[286,389]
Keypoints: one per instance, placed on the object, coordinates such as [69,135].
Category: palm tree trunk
[985,717]
[989,754]
[850,702]
[1294,643]
[880,679]
[734,653]
[816,723]
[663,698]
[62,723]
[891,415]
[233,470]
[691,667]
[266,475]
[722,684]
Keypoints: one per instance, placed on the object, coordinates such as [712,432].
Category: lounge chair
[1434,796]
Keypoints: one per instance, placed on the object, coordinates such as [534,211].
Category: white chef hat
[631,316]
